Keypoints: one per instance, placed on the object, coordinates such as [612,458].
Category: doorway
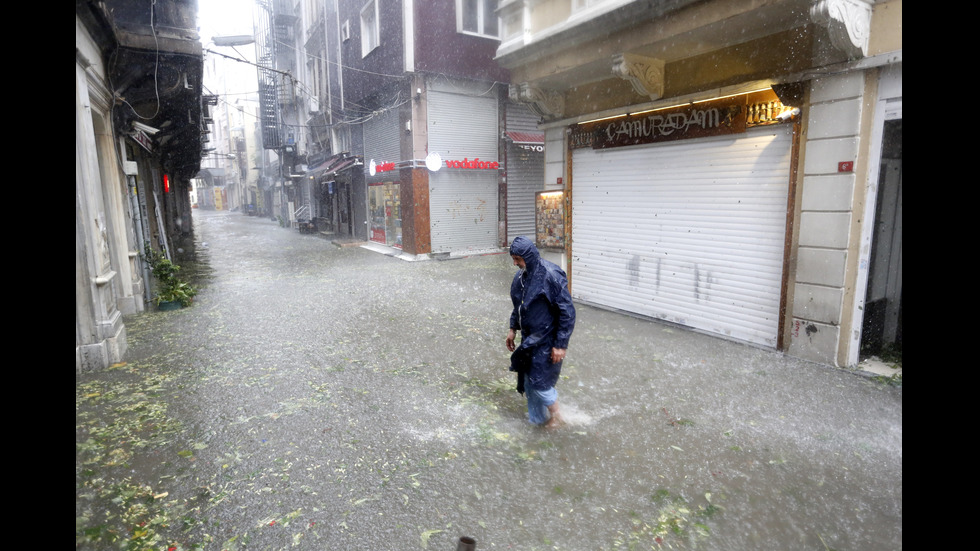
[385,210]
[881,332]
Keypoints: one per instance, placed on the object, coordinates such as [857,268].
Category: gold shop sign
[730,115]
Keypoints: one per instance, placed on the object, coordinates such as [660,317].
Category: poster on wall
[549,216]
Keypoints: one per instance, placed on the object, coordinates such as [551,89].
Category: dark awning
[333,165]
[321,168]
[529,138]
[345,164]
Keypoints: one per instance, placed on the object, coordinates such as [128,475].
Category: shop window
[384,203]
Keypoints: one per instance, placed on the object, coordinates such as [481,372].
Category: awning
[345,164]
[321,168]
[333,165]
[528,138]
[207,171]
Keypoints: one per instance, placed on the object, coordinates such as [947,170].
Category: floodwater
[319,397]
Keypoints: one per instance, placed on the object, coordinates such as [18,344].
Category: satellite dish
[433,161]
[372,168]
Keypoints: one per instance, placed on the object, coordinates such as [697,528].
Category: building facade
[404,143]
[732,166]
[138,130]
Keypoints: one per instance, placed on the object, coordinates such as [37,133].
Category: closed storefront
[525,169]
[690,231]
[462,128]
[525,177]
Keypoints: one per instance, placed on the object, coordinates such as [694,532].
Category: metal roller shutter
[382,143]
[690,232]
[525,177]
[463,203]
[525,170]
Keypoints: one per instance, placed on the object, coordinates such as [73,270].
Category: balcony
[157,70]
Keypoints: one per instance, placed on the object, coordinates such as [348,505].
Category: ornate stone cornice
[849,23]
[544,103]
[646,74]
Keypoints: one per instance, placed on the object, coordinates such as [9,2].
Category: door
[881,331]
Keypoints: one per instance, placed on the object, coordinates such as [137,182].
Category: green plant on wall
[170,288]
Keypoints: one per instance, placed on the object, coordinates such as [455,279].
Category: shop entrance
[881,331]
[384,201]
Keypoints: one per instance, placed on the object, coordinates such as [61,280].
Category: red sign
[845,166]
[141,138]
[475,164]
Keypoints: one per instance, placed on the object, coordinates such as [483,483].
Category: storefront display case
[549,216]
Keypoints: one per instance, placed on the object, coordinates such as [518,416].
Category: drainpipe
[466,543]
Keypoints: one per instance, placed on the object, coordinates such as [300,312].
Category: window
[579,5]
[370,30]
[477,17]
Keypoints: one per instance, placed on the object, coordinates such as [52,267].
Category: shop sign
[141,138]
[475,164]
[538,148]
[385,166]
[712,118]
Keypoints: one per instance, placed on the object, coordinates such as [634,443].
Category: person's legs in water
[555,420]
[542,407]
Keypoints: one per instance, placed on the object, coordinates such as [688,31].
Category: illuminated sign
[385,167]
[475,164]
[718,117]
[375,168]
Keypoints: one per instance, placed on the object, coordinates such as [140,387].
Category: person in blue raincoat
[545,316]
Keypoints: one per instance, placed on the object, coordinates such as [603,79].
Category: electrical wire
[156,68]
[346,116]
[360,114]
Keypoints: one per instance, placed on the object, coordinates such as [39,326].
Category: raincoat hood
[524,248]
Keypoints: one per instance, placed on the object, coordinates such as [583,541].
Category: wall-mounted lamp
[145,128]
[789,114]
[236,40]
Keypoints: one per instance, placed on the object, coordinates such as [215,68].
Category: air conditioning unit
[345,31]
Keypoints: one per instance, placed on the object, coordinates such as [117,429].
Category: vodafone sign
[374,168]
[433,162]
[475,164]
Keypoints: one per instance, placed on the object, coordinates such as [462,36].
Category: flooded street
[327,398]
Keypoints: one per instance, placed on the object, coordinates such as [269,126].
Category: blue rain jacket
[544,315]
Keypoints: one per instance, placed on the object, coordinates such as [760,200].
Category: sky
[228,18]
[224,18]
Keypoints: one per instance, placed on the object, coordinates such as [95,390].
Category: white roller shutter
[691,232]
[462,202]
